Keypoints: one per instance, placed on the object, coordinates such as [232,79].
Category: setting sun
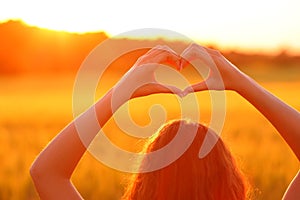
[260,25]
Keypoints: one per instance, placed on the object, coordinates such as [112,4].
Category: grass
[34,109]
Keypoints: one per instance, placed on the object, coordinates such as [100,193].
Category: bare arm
[53,168]
[283,117]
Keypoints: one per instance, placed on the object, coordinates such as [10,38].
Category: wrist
[120,94]
[242,83]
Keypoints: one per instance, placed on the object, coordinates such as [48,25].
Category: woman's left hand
[140,79]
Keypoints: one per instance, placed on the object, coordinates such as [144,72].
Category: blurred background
[43,43]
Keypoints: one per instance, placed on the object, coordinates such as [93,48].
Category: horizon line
[235,48]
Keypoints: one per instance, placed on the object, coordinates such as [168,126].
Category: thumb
[163,88]
[195,88]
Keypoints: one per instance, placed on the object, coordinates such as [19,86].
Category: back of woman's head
[215,176]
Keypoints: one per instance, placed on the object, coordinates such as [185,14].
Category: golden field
[35,108]
[37,73]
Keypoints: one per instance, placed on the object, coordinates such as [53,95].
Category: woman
[213,177]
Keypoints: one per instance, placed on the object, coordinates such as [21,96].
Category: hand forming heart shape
[165,55]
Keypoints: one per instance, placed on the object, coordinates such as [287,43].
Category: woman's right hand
[223,75]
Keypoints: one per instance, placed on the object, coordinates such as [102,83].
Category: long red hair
[216,176]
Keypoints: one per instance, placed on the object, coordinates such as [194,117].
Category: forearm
[283,117]
[58,160]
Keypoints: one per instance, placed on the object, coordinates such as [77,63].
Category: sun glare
[232,24]
[60,25]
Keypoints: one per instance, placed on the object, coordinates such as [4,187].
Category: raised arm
[283,117]
[52,170]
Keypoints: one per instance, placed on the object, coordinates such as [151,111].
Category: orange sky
[259,25]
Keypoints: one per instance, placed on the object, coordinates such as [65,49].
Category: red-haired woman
[214,176]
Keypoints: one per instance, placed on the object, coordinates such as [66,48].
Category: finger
[200,86]
[173,60]
[161,88]
[171,57]
[192,52]
[161,48]
[162,55]
[195,88]
[167,48]
[198,53]
[188,53]
[149,54]
[156,88]
[204,49]
[183,63]
[212,51]
[154,49]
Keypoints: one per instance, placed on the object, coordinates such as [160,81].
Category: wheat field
[34,109]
